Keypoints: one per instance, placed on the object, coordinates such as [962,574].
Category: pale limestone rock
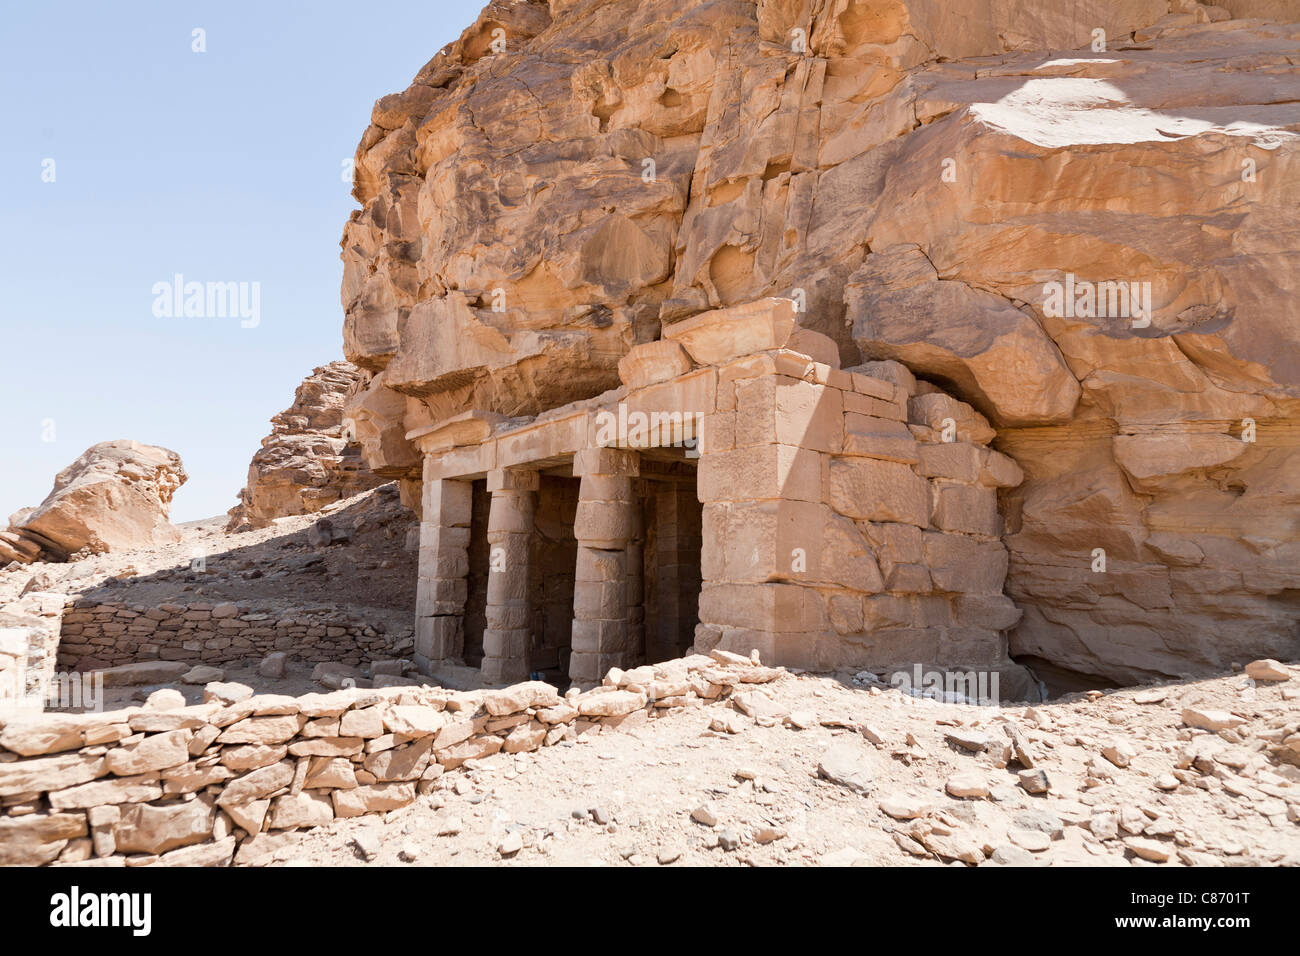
[273,665]
[142,672]
[256,784]
[165,699]
[1119,752]
[511,844]
[327,773]
[249,816]
[705,813]
[203,674]
[149,828]
[713,338]
[1267,670]
[304,809]
[1214,720]
[849,767]
[226,692]
[968,784]
[155,752]
[401,763]
[252,756]
[414,720]
[372,798]
[38,838]
[1034,841]
[138,789]
[903,806]
[115,497]
[217,853]
[519,697]
[366,722]
[261,730]
[1034,781]
[653,362]
[1152,850]
[613,704]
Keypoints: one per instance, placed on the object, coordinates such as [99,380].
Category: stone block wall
[226,780]
[97,635]
[851,519]
[29,640]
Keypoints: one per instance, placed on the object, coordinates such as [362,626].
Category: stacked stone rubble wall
[227,780]
[112,633]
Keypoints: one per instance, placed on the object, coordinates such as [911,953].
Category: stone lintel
[720,335]
[606,461]
[467,428]
[465,463]
[513,479]
[542,440]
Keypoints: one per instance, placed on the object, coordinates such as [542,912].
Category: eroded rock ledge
[310,459]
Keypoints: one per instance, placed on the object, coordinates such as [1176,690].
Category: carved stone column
[442,586]
[605,527]
[509,612]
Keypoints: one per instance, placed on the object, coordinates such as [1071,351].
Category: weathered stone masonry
[107,634]
[228,779]
[845,518]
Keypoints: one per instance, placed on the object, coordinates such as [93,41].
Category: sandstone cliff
[115,497]
[309,459]
[948,185]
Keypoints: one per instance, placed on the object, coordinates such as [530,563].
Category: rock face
[1079,219]
[309,459]
[115,497]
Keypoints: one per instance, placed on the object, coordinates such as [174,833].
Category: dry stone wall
[207,784]
[113,633]
[29,641]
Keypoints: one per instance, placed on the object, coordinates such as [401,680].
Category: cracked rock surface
[569,178]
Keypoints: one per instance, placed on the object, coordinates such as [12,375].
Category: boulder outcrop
[1077,218]
[115,497]
[311,458]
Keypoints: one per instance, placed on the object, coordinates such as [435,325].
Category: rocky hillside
[1078,218]
[309,460]
[115,497]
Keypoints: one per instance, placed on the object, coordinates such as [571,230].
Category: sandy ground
[627,798]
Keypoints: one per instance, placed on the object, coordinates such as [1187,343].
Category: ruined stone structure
[826,518]
[29,644]
[233,777]
[570,179]
[99,634]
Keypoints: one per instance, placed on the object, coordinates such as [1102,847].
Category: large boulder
[116,497]
[569,179]
[311,458]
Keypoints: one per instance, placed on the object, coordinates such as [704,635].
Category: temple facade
[739,491]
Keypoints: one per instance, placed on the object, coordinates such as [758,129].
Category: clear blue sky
[224,166]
